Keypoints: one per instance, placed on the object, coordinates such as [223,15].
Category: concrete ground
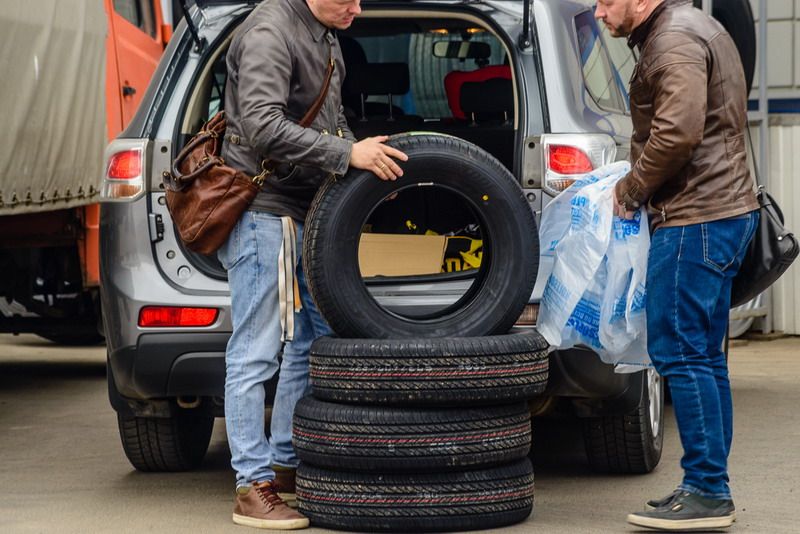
[62,468]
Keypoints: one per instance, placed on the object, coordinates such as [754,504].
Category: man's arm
[678,77]
[341,123]
[265,71]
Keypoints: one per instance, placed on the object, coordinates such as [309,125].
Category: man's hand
[371,154]
[620,210]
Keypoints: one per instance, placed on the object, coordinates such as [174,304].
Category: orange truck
[74,72]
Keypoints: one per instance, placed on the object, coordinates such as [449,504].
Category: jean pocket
[230,253]
[724,241]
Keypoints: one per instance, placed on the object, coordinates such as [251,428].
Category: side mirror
[462,50]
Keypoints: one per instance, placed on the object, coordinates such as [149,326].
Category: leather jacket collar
[640,33]
[315,27]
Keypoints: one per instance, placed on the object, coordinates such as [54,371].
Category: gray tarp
[52,93]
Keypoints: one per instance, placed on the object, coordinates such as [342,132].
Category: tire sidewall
[475,178]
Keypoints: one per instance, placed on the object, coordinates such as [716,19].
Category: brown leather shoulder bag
[205,197]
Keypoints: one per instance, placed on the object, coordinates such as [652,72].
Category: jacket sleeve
[265,73]
[341,122]
[677,78]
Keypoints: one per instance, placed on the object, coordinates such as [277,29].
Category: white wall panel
[783,185]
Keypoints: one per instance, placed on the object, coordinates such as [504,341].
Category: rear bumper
[171,365]
[580,373]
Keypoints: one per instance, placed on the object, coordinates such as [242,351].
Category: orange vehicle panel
[131,58]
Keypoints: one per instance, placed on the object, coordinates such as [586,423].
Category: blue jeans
[252,356]
[689,274]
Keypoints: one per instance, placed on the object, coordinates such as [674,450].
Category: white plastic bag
[596,292]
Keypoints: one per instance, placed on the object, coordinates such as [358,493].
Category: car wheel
[510,243]
[373,502]
[177,443]
[431,372]
[381,439]
[630,442]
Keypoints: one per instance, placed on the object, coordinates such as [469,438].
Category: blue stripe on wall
[777,105]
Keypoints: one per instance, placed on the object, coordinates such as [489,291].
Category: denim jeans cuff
[706,494]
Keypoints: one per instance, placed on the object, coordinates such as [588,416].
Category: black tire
[430,372]
[379,439]
[466,500]
[736,16]
[178,443]
[510,261]
[629,443]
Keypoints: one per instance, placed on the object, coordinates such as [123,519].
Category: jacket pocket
[737,156]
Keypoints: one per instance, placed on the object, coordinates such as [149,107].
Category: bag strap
[315,108]
[208,132]
[268,167]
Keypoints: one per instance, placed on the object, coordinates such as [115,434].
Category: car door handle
[127,90]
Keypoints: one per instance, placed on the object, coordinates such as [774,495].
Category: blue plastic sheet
[596,294]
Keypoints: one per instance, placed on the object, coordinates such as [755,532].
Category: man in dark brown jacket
[689,167]
[277,64]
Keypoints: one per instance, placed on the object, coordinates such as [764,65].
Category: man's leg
[251,358]
[293,382]
[682,295]
[251,258]
[689,269]
[719,365]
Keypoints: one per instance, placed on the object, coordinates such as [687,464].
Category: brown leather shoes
[284,482]
[260,506]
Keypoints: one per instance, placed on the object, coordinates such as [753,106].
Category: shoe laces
[268,493]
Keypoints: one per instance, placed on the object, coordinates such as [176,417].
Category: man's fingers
[393,152]
[382,171]
[392,166]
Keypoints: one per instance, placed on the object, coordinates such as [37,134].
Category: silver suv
[539,85]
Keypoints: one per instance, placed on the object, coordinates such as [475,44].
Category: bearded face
[617,15]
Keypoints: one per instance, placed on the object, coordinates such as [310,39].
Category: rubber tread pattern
[622,443]
[165,444]
[357,438]
[434,372]
[465,500]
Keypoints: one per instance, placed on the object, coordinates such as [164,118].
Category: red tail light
[125,165]
[164,316]
[564,159]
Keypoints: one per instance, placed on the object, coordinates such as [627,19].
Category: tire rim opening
[422,252]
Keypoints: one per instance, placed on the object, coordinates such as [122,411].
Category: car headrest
[378,79]
[455,79]
[494,96]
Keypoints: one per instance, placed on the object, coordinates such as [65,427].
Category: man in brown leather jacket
[689,111]
[277,63]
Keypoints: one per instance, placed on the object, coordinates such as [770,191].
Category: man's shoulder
[682,35]
[271,17]
[684,23]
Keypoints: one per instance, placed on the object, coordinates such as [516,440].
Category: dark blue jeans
[689,274]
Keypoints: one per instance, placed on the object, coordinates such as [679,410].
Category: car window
[427,72]
[601,78]
[622,59]
[139,13]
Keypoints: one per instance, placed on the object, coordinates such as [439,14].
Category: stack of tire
[421,424]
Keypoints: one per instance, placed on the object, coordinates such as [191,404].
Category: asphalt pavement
[62,468]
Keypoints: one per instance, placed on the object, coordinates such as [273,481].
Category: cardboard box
[400,255]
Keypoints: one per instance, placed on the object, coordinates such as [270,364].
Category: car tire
[431,372]
[177,443]
[736,16]
[381,439]
[510,243]
[629,443]
[373,502]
